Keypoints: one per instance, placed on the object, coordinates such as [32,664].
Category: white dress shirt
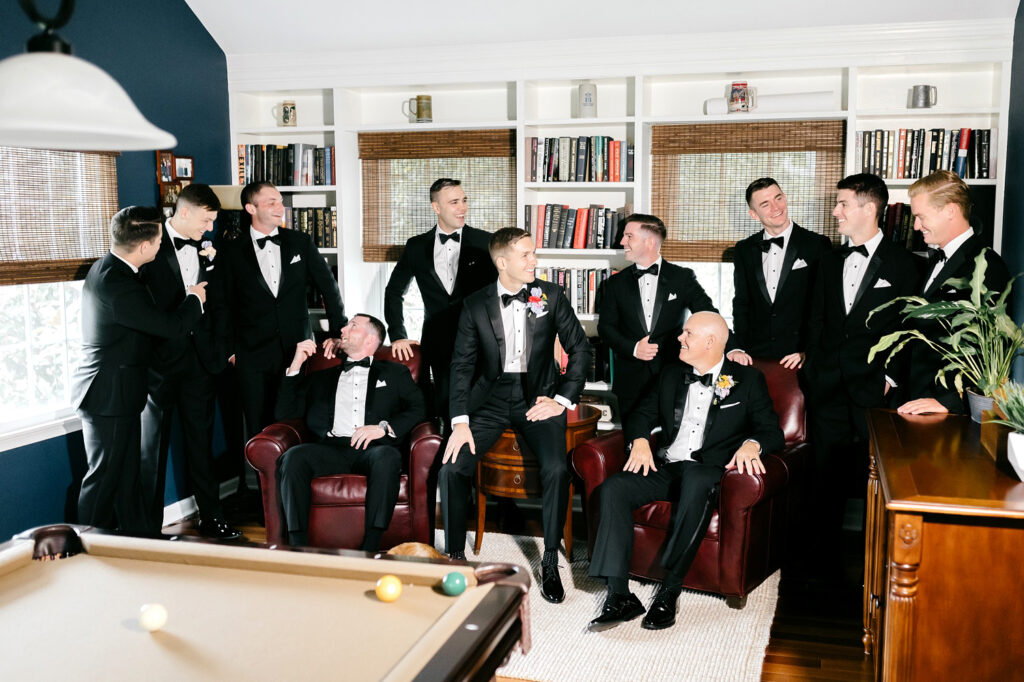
[690,436]
[648,286]
[114,254]
[269,258]
[771,261]
[513,321]
[188,258]
[854,268]
[446,259]
[949,249]
[350,402]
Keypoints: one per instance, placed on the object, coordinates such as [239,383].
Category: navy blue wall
[1013,199]
[177,76]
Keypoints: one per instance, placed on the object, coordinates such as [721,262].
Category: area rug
[709,641]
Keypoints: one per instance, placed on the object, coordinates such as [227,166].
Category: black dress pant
[545,439]
[110,497]
[691,486]
[257,392]
[381,464]
[192,393]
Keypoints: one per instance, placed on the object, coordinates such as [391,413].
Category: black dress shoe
[662,613]
[457,556]
[551,584]
[618,608]
[218,529]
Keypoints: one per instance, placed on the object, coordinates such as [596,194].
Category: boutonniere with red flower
[723,386]
[537,302]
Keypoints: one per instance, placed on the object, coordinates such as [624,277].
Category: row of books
[298,164]
[596,158]
[601,368]
[579,284]
[909,153]
[556,226]
[898,226]
[314,300]
[319,223]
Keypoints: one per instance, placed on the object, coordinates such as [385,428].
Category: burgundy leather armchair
[337,514]
[749,532]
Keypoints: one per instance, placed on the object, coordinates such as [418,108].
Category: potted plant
[1010,403]
[975,337]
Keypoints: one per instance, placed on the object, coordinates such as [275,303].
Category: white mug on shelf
[284,113]
[587,99]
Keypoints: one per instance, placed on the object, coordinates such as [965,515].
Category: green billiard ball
[454,584]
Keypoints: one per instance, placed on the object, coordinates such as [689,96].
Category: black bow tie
[275,238]
[349,364]
[690,378]
[766,244]
[445,237]
[847,250]
[520,296]
[936,256]
[653,270]
[180,243]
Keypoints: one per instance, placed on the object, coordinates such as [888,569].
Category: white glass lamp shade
[56,101]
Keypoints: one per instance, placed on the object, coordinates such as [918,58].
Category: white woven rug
[709,641]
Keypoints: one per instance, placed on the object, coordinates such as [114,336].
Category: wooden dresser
[944,564]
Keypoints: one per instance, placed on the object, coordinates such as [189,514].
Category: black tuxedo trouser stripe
[381,464]
[110,496]
[690,486]
[546,440]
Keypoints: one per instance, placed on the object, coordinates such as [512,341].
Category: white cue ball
[152,616]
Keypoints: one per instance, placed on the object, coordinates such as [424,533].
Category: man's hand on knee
[640,457]
[461,435]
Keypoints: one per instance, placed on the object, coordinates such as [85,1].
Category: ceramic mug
[418,109]
[741,97]
[284,113]
[923,96]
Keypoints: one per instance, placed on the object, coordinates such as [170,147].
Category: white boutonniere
[723,386]
[208,252]
[537,301]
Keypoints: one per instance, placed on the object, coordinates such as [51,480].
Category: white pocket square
[296,259]
[882,283]
[209,268]
[381,382]
[799,263]
[726,407]
[672,297]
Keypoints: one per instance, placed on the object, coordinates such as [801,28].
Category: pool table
[243,611]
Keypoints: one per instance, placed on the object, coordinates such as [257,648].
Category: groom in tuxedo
[448,262]
[774,278]
[714,415]
[503,373]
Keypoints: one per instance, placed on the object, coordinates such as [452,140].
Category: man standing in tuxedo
[774,277]
[852,281]
[504,374]
[119,321]
[360,411]
[448,262]
[182,374]
[642,309]
[941,205]
[265,278]
[715,415]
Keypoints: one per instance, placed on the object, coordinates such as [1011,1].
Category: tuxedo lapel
[167,253]
[371,389]
[868,281]
[429,256]
[952,264]
[679,405]
[633,291]
[287,253]
[727,370]
[249,253]
[756,258]
[494,315]
[661,293]
[787,262]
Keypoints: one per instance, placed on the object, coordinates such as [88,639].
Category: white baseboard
[182,509]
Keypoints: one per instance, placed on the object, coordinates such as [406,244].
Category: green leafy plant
[977,339]
[1010,402]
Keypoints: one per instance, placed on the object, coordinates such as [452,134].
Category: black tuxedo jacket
[838,344]
[441,319]
[763,328]
[621,324]
[162,278]
[119,321]
[745,413]
[265,328]
[391,396]
[924,362]
[479,357]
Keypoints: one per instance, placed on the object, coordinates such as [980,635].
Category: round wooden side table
[508,469]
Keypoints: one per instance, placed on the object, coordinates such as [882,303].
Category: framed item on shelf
[169,193]
[164,166]
[183,167]
[184,183]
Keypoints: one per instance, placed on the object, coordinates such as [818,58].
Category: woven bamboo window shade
[700,172]
[399,167]
[55,208]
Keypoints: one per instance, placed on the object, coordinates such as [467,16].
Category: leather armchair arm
[598,458]
[424,463]
[262,452]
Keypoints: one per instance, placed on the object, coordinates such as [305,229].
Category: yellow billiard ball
[389,588]
[152,616]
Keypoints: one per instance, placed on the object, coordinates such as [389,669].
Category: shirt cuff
[889,380]
[202,308]
[461,419]
[289,373]
[635,346]
[751,440]
[734,350]
[564,402]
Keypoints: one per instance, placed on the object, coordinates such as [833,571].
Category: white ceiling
[303,26]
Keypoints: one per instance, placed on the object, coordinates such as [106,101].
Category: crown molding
[824,47]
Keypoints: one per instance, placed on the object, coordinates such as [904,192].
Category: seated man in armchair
[360,411]
[714,415]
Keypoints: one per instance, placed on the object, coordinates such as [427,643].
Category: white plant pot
[1015,452]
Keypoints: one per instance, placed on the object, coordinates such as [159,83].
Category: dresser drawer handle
[517,479]
[515,445]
